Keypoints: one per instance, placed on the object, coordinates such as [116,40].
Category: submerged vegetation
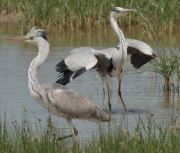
[154,16]
[147,136]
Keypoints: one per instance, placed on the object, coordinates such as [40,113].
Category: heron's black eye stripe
[44,37]
[116,10]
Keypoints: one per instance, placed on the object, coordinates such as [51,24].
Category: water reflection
[140,88]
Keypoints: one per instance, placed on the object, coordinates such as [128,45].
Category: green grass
[167,65]
[23,138]
[153,16]
[148,135]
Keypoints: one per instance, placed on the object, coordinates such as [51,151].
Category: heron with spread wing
[107,62]
[56,98]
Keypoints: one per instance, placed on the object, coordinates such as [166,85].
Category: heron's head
[35,36]
[119,12]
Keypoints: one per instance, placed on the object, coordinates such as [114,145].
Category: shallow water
[140,88]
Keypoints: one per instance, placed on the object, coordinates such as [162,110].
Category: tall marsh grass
[22,137]
[168,66]
[148,135]
[153,16]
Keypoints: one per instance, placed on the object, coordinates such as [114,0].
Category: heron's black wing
[141,53]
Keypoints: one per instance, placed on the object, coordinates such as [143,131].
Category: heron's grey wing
[71,104]
[80,60]
[141,53]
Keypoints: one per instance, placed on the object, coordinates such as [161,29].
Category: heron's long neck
[119,33]
[35,65]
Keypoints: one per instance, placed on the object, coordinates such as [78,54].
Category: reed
[21,137]
[153,16]
[167,65]
[148,135]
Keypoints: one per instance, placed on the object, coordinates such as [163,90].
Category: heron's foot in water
[69,136]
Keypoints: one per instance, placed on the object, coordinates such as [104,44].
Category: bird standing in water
[107,62]
[56,98]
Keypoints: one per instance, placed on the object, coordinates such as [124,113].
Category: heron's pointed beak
[17,39]
[126,11]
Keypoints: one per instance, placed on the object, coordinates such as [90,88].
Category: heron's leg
[69,136]
[103,84]
[103,87]
[107,77]
[109,124]
[73,129]
[120,75]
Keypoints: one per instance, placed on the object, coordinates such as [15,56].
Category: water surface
[140,88]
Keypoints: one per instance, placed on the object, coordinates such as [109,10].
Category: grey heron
[107,62]
[56,98]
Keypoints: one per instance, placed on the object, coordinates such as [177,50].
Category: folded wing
[71,104]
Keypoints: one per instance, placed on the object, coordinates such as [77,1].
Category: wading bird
[56,98]
[107,62]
